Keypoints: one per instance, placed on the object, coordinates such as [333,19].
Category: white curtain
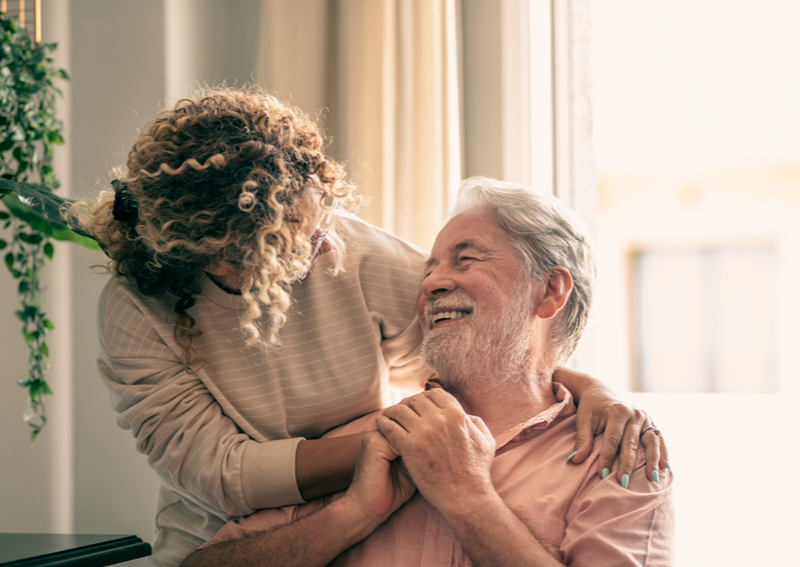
[385,76]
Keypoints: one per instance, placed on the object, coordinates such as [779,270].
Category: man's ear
[557,288]
[218,268]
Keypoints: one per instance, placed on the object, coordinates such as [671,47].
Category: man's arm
[380,487]
[449,456]
[314,540]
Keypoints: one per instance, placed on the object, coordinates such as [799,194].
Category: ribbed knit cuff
[268,474]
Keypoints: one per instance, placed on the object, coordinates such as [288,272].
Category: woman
[224,360]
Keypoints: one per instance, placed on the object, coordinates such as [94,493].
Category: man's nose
[437,282]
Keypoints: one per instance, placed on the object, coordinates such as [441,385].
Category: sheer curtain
[385,76]
[417,94]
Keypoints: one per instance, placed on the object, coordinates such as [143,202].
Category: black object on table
[62,550]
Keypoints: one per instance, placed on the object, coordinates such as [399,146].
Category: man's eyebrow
[468,243]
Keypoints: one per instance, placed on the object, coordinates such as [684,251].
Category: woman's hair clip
[125,208]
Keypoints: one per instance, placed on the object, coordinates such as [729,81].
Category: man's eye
[466,259]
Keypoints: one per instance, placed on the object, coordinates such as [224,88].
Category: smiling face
[477,302]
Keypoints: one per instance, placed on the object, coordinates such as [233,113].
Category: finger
[612,438]
[403,413]
[629,448]
[586,423]
[431,402]
[652,451]
[480,424]
[377,442]
[421,403]
[663,463]
[393,432]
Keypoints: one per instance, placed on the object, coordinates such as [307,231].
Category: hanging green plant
[29,130]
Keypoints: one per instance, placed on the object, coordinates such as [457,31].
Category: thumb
[479,423]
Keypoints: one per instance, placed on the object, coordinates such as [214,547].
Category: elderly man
[506,295]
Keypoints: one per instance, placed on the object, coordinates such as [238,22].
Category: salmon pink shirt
[579,517]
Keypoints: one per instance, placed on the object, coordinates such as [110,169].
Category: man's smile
[448,316]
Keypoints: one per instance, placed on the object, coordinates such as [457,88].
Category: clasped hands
[446,454]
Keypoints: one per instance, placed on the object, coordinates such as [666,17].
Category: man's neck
[504,403]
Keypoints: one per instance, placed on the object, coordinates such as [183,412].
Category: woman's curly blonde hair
[219,178]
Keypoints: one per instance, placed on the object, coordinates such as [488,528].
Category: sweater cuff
[268,474]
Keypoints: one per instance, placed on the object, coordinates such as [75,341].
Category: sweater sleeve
[177,422]
[390,271]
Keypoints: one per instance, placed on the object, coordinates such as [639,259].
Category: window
[704,319]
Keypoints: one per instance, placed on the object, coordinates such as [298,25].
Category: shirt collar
[563,407]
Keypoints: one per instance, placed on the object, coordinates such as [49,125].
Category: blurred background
[672,129]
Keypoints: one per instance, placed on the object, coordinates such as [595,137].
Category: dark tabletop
[63,550]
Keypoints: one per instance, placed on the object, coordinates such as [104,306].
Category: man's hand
[449,456]
[448,453]
[381,484]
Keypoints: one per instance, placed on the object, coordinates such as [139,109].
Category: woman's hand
[600,410]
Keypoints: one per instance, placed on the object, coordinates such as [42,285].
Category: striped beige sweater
[223,439]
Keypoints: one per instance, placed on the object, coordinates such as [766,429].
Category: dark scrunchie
[125,208]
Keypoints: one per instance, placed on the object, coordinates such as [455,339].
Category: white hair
[546,234]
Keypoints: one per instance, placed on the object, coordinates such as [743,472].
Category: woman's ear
[557,288]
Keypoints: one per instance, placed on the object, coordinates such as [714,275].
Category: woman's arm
[600,410]
[324,466]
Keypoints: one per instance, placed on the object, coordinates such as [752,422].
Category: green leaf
[48,250]
[30,238]
[67,235]
[9,261]
[4,215]
[48,325]
[33,388]
[6,145]
[23,287]
[3,244]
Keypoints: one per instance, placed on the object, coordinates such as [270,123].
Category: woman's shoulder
[365,240]
[121,296]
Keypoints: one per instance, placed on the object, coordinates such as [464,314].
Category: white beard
[489,350]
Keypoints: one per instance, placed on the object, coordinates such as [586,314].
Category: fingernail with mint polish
[669,468]
[626,478]
[604,473]
[654,474]
[569,459]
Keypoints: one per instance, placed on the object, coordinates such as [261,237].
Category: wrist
[360,523]
[462,502]
[460,510]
